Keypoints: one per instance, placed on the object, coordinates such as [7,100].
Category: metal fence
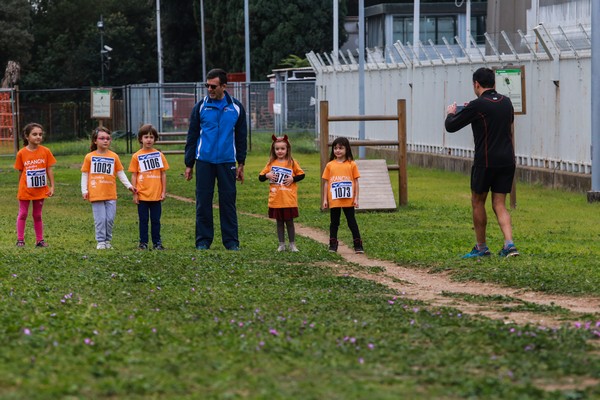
[554,134]
[279,107]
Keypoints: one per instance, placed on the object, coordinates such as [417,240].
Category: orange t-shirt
[33,184]
[281,196]
[340,177]
[149,166]
[102,171]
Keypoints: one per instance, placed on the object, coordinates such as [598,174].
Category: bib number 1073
[341,190]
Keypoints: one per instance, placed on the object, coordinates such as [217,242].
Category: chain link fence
[65,114]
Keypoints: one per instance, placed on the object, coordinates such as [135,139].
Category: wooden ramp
[375,186]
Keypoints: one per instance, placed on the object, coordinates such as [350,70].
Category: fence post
[402,161]
[324,138]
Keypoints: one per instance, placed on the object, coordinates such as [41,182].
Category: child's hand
[288,180]
[356,203]
[133,190]
[136,198]
[85,196]
[325,204]
[163,196]
[50,192]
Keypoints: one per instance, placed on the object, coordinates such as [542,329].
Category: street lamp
[104,50]
[100,25]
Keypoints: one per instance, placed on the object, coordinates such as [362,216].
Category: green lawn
[77,323]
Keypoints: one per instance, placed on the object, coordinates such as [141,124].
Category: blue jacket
[217,135]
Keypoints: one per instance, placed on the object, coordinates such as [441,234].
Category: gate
[8,128]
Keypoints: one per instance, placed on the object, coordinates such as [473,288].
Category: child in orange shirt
[36,181]
[340,192]
[98,184]
[283,172]
[148,167]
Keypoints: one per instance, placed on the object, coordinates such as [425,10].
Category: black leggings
[335,214]
[290,229]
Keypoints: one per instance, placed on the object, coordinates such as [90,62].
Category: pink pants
[38,225]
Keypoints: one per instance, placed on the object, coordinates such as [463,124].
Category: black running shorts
[499,180]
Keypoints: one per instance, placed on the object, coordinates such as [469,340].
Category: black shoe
[143,246]
[333,245]
[41,243]
[358,246]
[158,246]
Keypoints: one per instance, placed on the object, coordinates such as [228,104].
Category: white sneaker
[101,246]
[108,245]
[281,247]
[293,248]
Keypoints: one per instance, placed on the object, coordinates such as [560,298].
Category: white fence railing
[555,133]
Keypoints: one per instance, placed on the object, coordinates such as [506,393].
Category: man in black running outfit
[491,116]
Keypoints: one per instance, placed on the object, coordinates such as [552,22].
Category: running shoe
[101,246]
[281,247]
[358,246]
[41,243]
[20,243]
[293,248]
[333,245]
[475,253]
[510,251]
[143,246]
[158,246]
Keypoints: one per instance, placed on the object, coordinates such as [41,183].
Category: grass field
[77,323]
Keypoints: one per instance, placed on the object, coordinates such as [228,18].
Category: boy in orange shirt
[148,167]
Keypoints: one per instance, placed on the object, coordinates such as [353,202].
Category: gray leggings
[104,219]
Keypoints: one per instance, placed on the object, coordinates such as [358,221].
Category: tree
[182,61]
[66,52]
[15,38]
[277,28]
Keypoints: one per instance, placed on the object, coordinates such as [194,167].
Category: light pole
[100,25]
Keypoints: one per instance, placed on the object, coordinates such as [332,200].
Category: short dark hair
[485,77]
[217,73]
[147,129]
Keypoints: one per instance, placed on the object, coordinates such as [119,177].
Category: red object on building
[236,77]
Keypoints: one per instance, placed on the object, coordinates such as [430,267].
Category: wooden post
[324,139]
[402,161]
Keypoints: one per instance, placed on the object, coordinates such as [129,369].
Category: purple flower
[273,332]
[390,302]
[371,346]
[26,331]
[88,341]
[361,360]
[153,330]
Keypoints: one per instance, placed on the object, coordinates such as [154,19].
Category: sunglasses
[213,87]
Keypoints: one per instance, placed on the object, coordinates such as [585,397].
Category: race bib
[341,190]
[36,178]
[280,174]
[151,161]
[103,165]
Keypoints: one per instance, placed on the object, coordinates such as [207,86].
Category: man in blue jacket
[216,139]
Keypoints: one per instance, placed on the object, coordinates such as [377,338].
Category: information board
[510,81]
[101,103]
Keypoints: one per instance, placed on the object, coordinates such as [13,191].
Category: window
[430,27]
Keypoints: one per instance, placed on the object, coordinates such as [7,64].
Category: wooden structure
[400,117]
[173,135]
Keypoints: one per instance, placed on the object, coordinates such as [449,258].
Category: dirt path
[434,288]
